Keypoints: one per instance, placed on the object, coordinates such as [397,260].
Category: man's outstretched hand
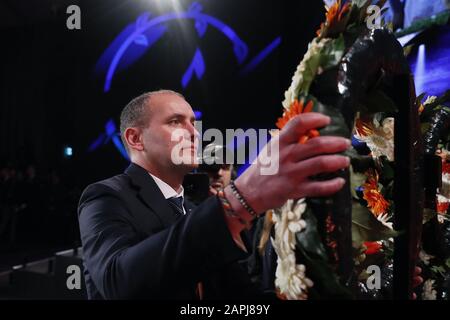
[296,164]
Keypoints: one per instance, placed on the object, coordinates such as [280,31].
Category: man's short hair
[136,113]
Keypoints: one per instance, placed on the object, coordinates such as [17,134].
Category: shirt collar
[168,191]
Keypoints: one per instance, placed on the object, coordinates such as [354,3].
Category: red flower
[372,247]
[442,207]
[445,167]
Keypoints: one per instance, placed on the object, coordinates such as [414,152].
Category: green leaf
[419,98]
[328,56]
[447,263]
[428,214]
[311,67]
[332,53]
[359,3]
[438,270]
[338,126]
[356,180]
[365,227]
[326,282]
[309,239]
[313,255]
[424,127]
[407,50]
[387,169]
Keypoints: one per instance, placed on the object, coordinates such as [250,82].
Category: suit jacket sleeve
[123,264]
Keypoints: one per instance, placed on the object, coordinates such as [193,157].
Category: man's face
[170,138]
[220,178]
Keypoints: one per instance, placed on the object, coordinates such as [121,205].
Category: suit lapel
[150,194]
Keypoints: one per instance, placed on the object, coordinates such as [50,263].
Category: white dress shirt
[168,191]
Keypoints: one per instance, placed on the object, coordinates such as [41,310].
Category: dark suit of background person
[136,246]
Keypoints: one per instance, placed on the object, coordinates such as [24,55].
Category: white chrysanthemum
[381,141]
[444,191]
[441,199]
[291,94]
[429,293]
[290,278]
[384,219]
[430,100]
[425,257]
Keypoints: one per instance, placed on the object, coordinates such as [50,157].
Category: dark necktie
[177,204]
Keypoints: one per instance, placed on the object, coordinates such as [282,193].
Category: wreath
[361,79]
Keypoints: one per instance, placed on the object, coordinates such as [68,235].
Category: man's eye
[174,121]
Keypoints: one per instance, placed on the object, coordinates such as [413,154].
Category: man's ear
[133,137]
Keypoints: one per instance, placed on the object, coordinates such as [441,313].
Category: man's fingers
[322,164]
[320,145]
[417,281]
[212,191]
[417,270]
[321,188]
[301,124]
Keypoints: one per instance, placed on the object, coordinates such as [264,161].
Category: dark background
[50,96]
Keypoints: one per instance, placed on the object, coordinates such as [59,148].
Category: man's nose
[193,131]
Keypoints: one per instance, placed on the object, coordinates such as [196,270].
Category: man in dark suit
[142,240]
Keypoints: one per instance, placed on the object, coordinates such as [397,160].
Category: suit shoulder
[114,186]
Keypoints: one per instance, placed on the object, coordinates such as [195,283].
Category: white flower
[388,128]
[384,218]
[314,48]
[442,214]
[444,192]
[425,257]
[381,141]
[430,100]
[290,278]
[428,291]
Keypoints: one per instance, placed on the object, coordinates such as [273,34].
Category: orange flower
[280,295]
[375,200]
[336,11]
[372,247]
[363,128]
[421,108]
[295,109]
[334,14]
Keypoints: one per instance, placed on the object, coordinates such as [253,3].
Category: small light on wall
[68,152]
